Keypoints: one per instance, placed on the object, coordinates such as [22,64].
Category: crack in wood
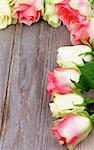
[6,99]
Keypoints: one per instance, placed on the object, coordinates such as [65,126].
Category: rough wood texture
[6,47]
[27,54]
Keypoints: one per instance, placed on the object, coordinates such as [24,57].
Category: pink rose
[75,15]
[72,129]
[80,31]
[83,31]
[60,80]
[90,30]
[28,11]
[72,11]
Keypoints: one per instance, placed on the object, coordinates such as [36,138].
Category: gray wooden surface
[26,54]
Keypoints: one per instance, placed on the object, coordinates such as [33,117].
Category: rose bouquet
[74,75]
[66,86]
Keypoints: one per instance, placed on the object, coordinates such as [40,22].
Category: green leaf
[93,46]
[86,81]
[92,117]
[92,3]
[88,101]
[88,44]
[85,42]
[87,53]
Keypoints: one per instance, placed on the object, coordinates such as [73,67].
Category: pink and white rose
[80,31]
[77,16]
[72,129]
[28,11]
[72,12]
[60,80]
[91,30]
[83,31]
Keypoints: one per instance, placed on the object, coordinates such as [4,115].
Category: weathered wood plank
[6,43]
[29,122]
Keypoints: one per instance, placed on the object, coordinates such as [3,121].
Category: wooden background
[26,54]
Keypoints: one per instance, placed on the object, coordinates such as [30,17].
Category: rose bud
[28,11]
[50,14]
[5,14]
[65,104]
[71,56]
[72,129]
[60,80]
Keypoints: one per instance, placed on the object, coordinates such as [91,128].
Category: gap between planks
[7,91]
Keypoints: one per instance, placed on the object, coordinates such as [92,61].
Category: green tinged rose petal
[5,14]
[11,5]
[50,14]
[75,55]
[63,105]
[6,8]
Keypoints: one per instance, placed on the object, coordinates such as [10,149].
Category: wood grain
[6,47]
[29,119]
